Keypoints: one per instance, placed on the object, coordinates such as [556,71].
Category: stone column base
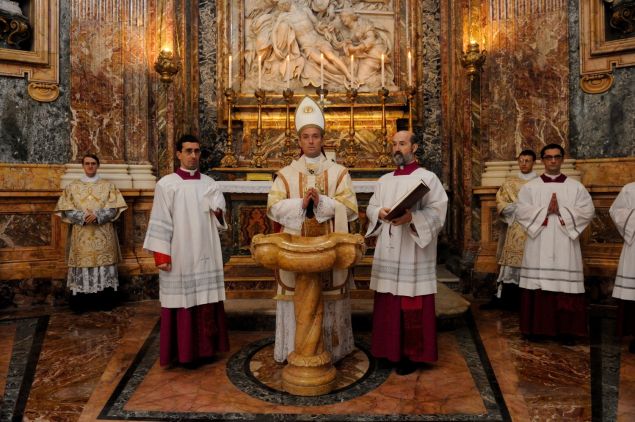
[124,176]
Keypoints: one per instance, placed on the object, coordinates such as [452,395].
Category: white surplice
[183,226]
[552,260]
[623,214]
[336,207]
[405,261]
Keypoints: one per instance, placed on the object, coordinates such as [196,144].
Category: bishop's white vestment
[552,260]
[623,214]
[183,226]
[336,207]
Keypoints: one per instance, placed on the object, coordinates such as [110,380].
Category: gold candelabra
[167,66]
[411,90]
[472,59]
[322,94]
[288,155]
[229,160]
[258,159]
[349,159]
[384,158]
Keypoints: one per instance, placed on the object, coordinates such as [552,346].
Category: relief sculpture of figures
[310,41]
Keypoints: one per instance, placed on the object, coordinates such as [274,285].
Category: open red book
[408,200]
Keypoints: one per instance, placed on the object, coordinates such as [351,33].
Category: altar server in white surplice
[623,214]
[313,196]
[404,274]
[182,233]
[554,210]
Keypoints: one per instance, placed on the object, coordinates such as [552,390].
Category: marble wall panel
[601,125]
[97,97]
[526,76]
[214,139]
[25,230]
[111,49]
[430,155]
[30,176]
[136,87]
[34,132]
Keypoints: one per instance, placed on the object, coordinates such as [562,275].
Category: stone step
[259,314]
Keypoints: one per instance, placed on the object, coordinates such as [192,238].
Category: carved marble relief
[298,44]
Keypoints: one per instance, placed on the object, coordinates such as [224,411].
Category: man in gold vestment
[90,205]
[313,196]
[512,245]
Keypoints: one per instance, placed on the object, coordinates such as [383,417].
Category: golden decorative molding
[596,83]
[41,63]
[43,92]
[598,54]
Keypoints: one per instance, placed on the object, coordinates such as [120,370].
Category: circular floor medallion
[253,371]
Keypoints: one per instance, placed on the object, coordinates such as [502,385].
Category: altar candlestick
[409,68]
[352,64]
[288,72]
[382,71]
[259,72]
[321,71]
[229,74]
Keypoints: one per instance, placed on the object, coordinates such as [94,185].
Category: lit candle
[259,71]
[288,72]
[321,71]
[409,68]
[382,71]
[352,63]
[229,73]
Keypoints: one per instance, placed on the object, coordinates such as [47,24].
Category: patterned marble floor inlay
[19,371]
[244,385]
[254,371]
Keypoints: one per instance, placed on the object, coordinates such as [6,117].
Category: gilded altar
[357,60]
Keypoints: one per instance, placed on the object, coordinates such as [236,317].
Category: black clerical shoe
[405,367]
[494,303]
[383,363]
[567,340]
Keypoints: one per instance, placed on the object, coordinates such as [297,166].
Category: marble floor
[58,366]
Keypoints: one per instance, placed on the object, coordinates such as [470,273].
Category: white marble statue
[307,43]
[11,7]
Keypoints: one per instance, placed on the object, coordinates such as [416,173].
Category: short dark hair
[551,146]
[528,152]
[186,138]
[93,156]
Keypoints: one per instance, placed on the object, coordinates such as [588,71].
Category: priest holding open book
[406,213]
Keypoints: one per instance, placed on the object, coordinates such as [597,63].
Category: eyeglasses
[551,157]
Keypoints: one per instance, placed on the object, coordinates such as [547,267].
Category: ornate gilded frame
[41,63]
[230,42]
[598,55]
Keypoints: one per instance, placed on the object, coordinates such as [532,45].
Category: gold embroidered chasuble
[511,252]
[91,245]
[292,182]
[337,206]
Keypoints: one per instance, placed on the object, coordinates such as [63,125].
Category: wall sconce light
[472,59]
[166,65]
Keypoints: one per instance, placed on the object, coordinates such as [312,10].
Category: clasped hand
[553,208]
[311,195]
[90,217]
[404,219]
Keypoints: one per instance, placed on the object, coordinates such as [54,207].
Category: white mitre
[308,114]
